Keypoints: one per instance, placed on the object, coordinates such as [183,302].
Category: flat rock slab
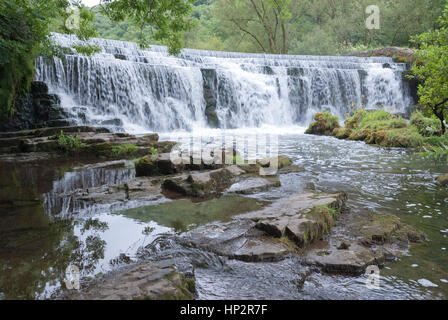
[237,240]
[147,281]
[353,260]
[254,184]
[302,218]
[201,184]
[137,189]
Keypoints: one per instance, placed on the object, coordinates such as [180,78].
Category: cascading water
[148,90]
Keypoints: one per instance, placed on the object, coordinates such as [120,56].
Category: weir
[127,88]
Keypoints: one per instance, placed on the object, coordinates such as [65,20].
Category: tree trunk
[442,120]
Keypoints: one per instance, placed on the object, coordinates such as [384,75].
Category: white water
[148,90]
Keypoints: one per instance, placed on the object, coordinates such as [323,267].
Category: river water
[40,237]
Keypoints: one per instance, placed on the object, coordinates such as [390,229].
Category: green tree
[25,27]
[432,69]
[264,21]
[168,19]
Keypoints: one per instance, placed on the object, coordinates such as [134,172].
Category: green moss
[324,124]
[381,128]
[145,167]
[322,219]
[123,150]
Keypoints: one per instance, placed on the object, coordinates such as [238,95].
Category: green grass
[379,127]
[69,143]
[125,149]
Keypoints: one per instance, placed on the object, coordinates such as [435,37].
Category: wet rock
[142,189]
[254,184]
[377,228]
[112,122]
[238,240]
[200,184]
[146,281]
[282,161]
[261,235]
[160,164]
[443,179]
[352,261]
[302,218]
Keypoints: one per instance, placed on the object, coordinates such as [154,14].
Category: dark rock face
[37,109]
[210,90]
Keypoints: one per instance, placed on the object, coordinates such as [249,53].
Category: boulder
[153,165]
[302,218]
[201,184]
[145,281]
[353,260]
[254,184]
[443,179]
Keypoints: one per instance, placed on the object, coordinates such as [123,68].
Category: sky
[90,3]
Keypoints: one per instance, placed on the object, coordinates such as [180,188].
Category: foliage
[69,143]
[427,126]
[153,151]
[168,19]
[324,124]
[432,71]
[311,27]
[24,34]
[25,27]
[125,149]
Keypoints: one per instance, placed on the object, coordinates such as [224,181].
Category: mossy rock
[324,124]
[153,165]
[383,228]
[443,179]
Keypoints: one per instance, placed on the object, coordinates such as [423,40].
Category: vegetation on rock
[324,124]
[381,128]
[69,143]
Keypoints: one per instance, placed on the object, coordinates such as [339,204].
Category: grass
[379,127]
[69,143]
[125,149]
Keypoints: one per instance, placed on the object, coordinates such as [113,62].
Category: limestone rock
[148,281]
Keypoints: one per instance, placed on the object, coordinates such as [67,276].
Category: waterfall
[137,90]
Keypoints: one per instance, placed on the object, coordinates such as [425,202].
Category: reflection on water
[42,230]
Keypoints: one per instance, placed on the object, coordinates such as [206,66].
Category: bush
[426,126]
[324,124]
[69,143]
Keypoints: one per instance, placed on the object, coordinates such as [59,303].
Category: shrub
[69,143]
[324,124]
[426,126]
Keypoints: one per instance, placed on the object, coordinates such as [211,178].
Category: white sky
[90,3]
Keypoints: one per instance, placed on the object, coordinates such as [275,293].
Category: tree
[169,18]
[264,21]
[25,27]
[431,69]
